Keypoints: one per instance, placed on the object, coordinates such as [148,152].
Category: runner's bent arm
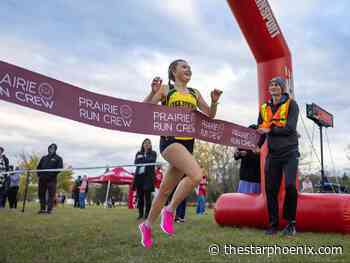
[155,98]
[204,107]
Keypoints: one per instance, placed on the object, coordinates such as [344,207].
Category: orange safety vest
[278,119]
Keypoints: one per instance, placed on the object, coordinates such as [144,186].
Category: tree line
[217,162]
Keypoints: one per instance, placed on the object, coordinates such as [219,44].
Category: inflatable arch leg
[315,212]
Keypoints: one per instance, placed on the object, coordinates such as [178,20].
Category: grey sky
[116,47]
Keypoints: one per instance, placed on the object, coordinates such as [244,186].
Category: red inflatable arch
[315,212]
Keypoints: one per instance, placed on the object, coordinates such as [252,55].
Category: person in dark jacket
[144,177]
[75,192]
[249,172]
[48,180]
[4,178]
[278,120]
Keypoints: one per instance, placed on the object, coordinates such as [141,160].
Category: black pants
[181,209]
[144,199]
[3,196]
[274,170]
[76,199]
[12,196]
[47,184]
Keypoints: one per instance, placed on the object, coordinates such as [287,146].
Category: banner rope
[82,168]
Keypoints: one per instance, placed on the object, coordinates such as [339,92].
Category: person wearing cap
[4,167]
[48,179]
[278,120]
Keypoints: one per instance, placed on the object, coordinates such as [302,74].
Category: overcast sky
[117,47]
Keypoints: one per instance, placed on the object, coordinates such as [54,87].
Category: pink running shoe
[146,235]
[167,221]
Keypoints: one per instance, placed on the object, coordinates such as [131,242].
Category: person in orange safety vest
[278,120]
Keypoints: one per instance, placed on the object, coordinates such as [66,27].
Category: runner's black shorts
[165,141]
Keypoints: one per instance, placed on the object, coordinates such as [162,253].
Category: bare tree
[28,162]
[218,163]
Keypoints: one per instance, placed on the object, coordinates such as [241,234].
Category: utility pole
[323,119]
[322,165]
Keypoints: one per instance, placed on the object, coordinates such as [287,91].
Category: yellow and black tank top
[175,98]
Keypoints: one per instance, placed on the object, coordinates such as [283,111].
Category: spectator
[75,193]
[307,185]
[84,187]
[63,199]
[56,200]
[249,172]
[48,180]
[7,186]
[144,177]
[180,212]
[201,194]
[278,120]
[109,202]
[4,167]
[13,189]
[157,180]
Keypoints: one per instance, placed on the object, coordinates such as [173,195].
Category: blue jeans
[200,204]
[82,200]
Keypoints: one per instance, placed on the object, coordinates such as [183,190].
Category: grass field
[110,235]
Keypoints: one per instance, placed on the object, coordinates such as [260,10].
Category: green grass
[110,235]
